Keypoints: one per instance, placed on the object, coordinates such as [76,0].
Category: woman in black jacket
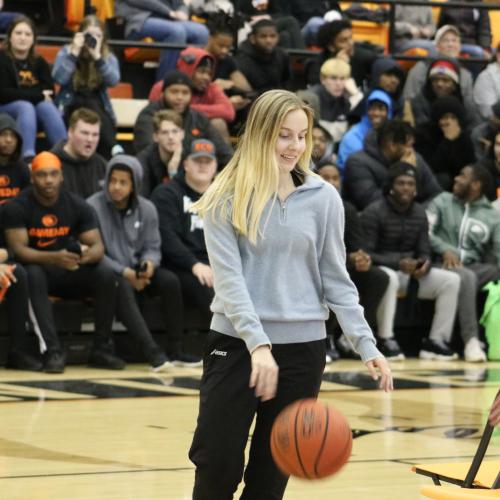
[26,87]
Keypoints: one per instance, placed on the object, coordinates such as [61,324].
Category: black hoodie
[264,71]
[82,177]
[445,156]
[380,66]
[15,174]
[183,241]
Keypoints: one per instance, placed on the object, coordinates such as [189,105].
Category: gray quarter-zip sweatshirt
[279,290]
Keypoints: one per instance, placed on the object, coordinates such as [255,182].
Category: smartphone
[90,41]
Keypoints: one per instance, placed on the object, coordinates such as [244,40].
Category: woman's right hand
[264,376]
[77,43]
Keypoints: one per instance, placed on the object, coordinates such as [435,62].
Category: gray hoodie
[279,291]
[131,236]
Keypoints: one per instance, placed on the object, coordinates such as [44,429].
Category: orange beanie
[45,159]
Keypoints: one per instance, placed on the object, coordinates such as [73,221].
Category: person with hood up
[387,75]
[444,142]
[208,98]
[442,80]
[183,243]
[265,65]
[378,106]
[397,241]
[14,173]
[177,94]
[14,176]
[129,227]
[323,146]
[366,170]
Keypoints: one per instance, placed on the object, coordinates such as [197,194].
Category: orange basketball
[310,440]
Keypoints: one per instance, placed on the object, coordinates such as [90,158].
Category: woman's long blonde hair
[87,75]
[250,179]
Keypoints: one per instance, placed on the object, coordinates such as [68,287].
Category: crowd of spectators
[415,156]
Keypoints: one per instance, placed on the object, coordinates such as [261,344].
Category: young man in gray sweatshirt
[129,227]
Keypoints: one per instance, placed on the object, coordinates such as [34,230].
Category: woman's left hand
[379,367]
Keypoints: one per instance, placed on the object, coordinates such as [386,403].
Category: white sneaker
[473,352]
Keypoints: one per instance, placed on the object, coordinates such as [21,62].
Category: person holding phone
[85,69]
[27,89]
[397,240]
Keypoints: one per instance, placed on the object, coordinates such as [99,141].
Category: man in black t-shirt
[14,173]
[55,235]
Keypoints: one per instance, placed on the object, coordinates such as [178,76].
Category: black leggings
[95,280]
[227,409]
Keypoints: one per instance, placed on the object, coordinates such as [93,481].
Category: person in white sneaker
[397,241]
[464,233]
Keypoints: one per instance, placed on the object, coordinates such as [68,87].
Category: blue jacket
[354,138]
[65,67]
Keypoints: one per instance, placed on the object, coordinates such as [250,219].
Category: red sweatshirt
[212,102]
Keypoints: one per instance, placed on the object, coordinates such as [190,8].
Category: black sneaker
[23,361]
[105,359]
[390,349]
[436,349]
[186,360]
[331,352]
[55,361]
[160,362]
[345,348]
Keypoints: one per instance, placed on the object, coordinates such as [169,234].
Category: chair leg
[496,483]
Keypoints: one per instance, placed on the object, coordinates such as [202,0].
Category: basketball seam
[323,442]
[297,443]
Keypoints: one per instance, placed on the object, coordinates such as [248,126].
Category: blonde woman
[274,235]
[85,69]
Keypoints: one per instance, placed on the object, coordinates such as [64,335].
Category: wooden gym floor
[95,434]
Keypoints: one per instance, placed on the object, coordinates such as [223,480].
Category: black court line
[401,461]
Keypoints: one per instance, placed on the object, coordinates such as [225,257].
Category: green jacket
[471,230]
[491,319]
